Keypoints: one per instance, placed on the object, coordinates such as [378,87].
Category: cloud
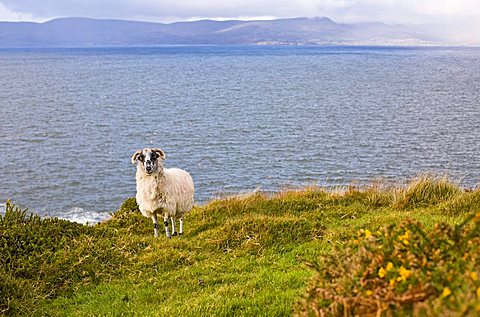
[389,11]
[162,9]
[8,15]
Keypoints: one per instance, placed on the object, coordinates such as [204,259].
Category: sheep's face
[151,160]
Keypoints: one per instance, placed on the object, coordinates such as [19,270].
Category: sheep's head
[151,160]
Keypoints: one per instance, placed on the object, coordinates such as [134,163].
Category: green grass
[249,255]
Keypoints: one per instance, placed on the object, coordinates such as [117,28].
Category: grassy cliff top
[396,248]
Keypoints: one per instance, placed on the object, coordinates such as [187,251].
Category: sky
[442,12]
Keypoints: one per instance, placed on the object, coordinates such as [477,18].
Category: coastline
[252,252]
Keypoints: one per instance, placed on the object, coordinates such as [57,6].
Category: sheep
[162,191]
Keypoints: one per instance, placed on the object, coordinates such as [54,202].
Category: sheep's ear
[135,156]
[159,152]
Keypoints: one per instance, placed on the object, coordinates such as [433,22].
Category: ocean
[238,118]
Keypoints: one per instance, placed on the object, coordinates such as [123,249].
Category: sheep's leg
[174,233]
[181,226]
[165,222]
[155,225]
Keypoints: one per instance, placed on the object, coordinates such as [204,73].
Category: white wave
[75,214]
[80,215]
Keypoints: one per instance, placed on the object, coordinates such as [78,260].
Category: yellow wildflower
[404,237]
[478,292]
[381,272]
[368,234]
[474,276]
[392,282]
[446,292]
[369,293]
[389,266]
[404,273]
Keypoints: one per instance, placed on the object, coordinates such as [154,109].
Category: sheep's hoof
[174,234]
[180,234]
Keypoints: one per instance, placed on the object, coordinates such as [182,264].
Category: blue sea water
[236,117]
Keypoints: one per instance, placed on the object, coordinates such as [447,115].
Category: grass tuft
[426,190]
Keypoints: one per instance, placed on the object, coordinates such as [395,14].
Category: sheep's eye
[141,158]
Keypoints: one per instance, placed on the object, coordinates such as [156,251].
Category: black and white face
[150,159]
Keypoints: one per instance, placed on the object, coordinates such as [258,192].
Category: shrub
[27,244]
[400,270]
[42,258]
[129,219]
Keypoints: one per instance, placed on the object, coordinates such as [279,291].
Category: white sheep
[162,191]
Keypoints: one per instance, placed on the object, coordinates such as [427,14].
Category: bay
[236,117]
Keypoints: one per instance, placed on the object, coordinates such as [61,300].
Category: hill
[396,249]
[91,32]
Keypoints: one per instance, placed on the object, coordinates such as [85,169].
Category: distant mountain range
[295,31]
